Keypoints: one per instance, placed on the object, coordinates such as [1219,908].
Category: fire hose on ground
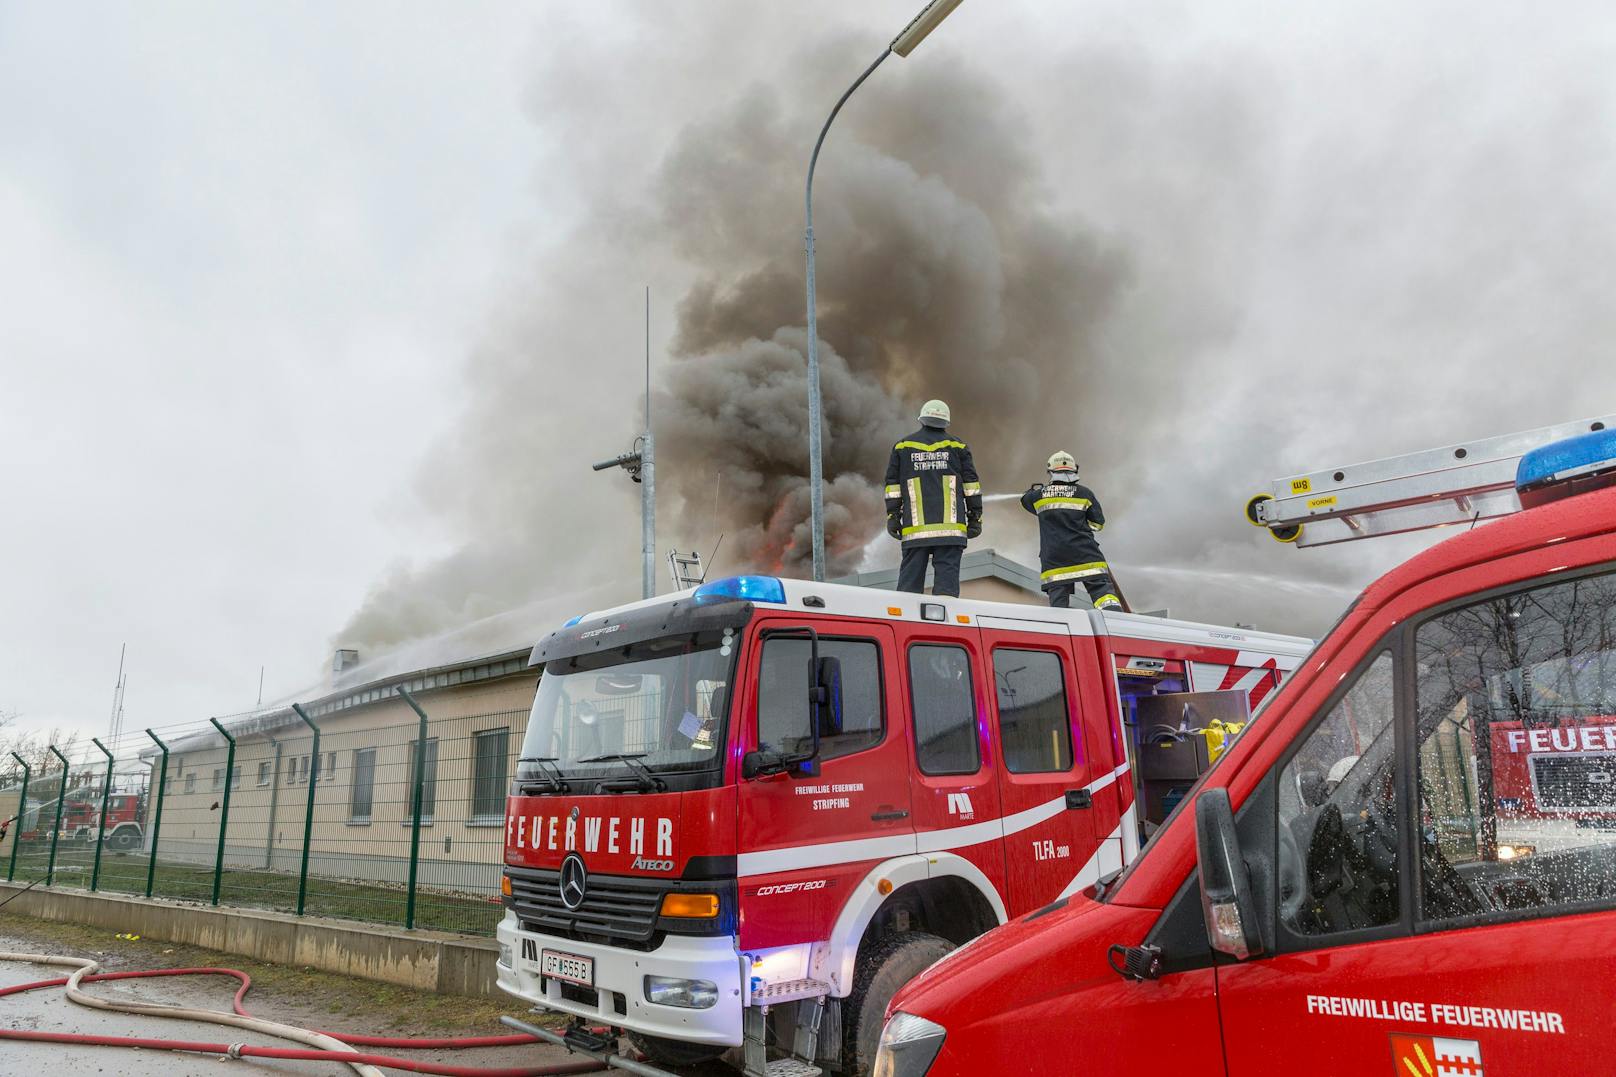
[339,1047]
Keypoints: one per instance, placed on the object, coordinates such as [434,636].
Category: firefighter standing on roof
[1068,516]
[934,502]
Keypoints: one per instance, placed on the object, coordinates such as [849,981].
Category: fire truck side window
[1033,720]
[1338,815]
[1517,760]
[944,704]
[783,696]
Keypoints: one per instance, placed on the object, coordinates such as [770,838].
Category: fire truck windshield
[660,702]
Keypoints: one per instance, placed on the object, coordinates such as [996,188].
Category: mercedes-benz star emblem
[574,813]
[574,880]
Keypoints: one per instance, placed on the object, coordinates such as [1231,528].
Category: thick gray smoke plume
[1196,255]
[941,275]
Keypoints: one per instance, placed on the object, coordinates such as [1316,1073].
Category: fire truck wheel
[890,962]
[121,841]
[666,1052]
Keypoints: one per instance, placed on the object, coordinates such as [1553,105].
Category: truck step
[789,991]
[792,1067]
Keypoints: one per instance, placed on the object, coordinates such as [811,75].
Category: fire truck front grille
[616,909]
[1575,782]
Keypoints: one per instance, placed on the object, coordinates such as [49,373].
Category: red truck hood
[623,834]
[1041,955]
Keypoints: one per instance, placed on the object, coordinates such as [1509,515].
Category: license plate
[569,967]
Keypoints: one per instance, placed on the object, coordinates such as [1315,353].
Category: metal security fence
[385,813]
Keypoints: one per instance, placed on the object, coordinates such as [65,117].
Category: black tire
[666,1052]
[121,841]
[887,964]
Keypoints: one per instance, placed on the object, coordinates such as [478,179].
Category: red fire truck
[745,814]
[1385,875]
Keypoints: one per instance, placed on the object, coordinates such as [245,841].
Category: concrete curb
[424,960]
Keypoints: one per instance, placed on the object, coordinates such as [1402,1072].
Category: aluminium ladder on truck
[1457,484]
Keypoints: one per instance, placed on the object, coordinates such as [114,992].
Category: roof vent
[345,659]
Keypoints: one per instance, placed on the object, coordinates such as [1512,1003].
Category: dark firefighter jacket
[1068,516]
[932,488]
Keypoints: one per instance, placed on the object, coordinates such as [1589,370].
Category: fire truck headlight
[909,1046]
[688,994]
[505,956]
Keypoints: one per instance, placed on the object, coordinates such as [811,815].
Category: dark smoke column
[912,35]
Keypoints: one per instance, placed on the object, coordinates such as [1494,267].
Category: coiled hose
[318,1046]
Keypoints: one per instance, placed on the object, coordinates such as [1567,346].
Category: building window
[218,779]
[364,783]
[946,740]
[1034,724]
[429,783]
[488,775]
[291,771]
[328,772]
[190,782]
[263,773]
[235,778]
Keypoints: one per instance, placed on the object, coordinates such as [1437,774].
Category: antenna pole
[648,475]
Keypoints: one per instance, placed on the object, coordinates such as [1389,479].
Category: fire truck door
[1044,768]
[807,839]
[1418,930]
[956,797]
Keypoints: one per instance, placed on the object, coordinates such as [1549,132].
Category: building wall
[268,806]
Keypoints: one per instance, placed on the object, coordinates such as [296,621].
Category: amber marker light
[691,906]
[895,611]
[505,885]
[962,619]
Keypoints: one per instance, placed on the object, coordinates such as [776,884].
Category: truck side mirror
[1226,898]
[828,697]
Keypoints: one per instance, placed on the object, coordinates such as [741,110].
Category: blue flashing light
[1567,467]
[747,588]
[573,621]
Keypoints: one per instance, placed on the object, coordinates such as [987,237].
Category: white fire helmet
[935,413]
[1063,461]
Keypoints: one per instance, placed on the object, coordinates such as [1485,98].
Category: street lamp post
[913,34]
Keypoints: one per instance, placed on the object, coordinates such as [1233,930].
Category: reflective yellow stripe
[933,530]
[894,492]
[1095,526]
[1061,503]
[1073,572]
[950,510]
[916,509]
[933,447]
[1106,601]
[973,489]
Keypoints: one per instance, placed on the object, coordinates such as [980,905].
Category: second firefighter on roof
[1068,516]
[934,502]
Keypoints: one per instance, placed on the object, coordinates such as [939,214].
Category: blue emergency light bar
[1568,467]
[747,588]
[573,620]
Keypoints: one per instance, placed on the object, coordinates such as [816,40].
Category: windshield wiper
[553,776]
[644,779]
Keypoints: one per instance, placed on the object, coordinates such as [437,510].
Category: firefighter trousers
[1101,592]
[945,564]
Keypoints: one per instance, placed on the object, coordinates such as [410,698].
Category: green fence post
[224,814]
[101,823]
[157,814]
[415,814]
[22,817]
[56,826]
[308,812]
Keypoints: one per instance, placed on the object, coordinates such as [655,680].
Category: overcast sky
[249,251]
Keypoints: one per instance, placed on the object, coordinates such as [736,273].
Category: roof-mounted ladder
[1457,484]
